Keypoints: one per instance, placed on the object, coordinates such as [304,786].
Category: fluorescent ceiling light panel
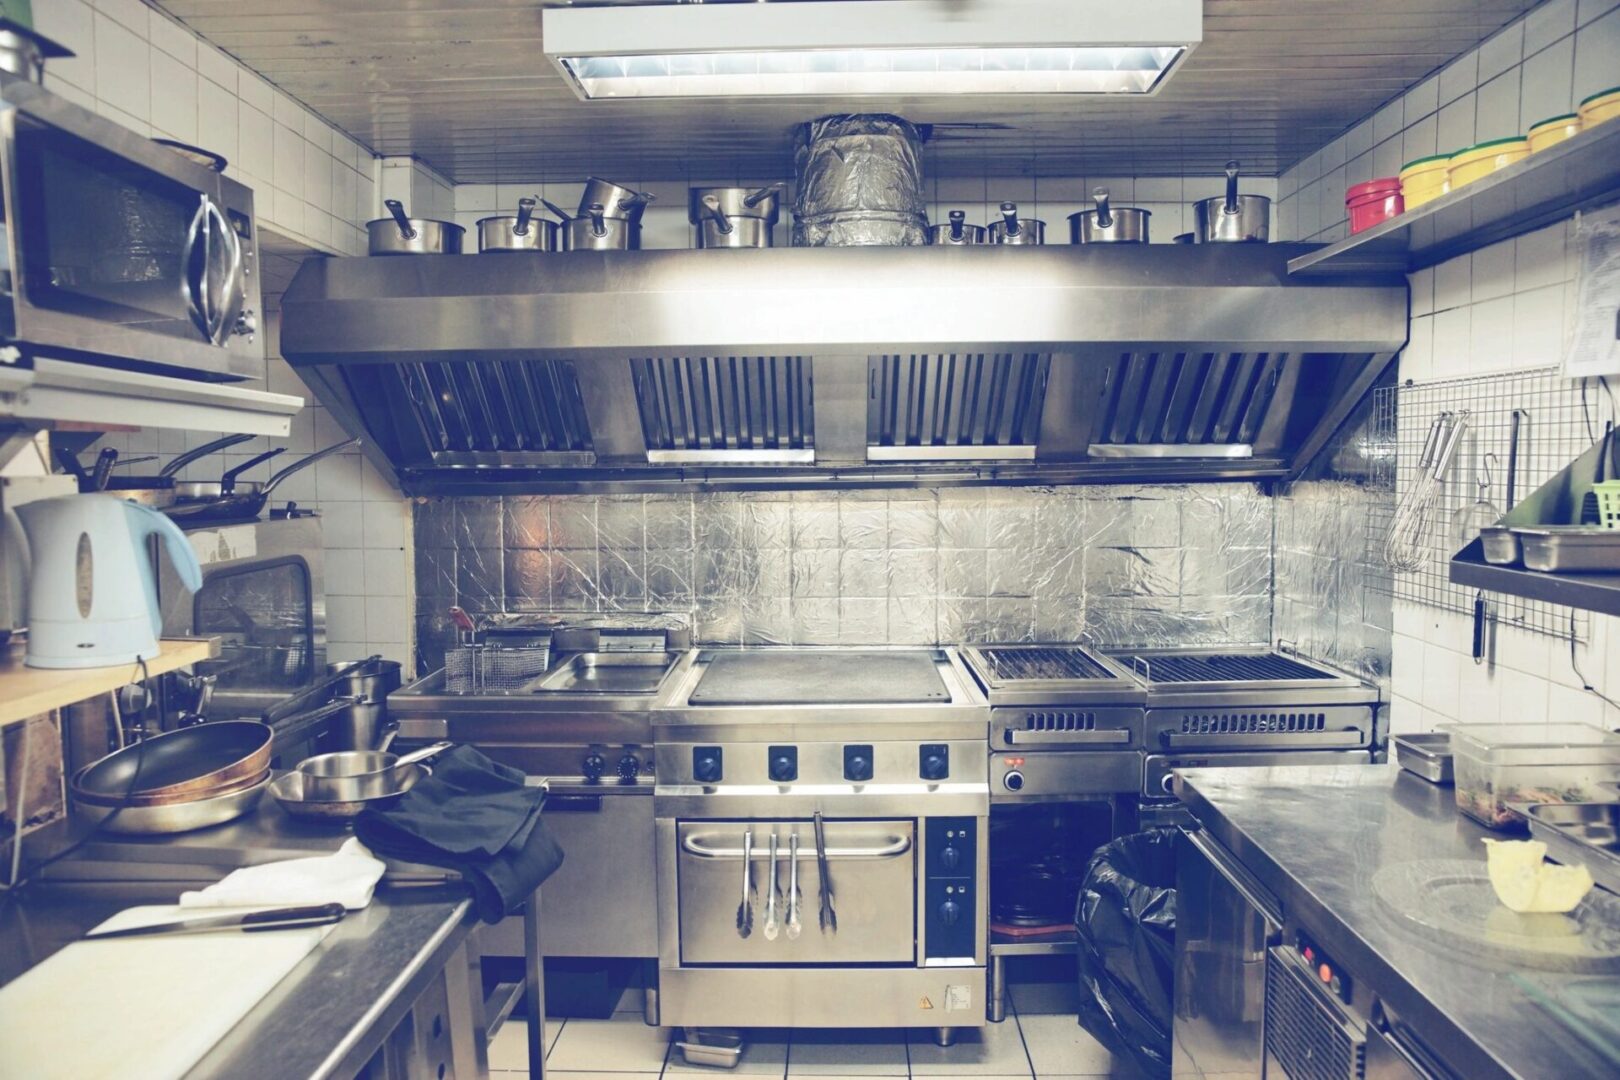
[832,48]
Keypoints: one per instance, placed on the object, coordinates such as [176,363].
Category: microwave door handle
[224,311]
[194,284]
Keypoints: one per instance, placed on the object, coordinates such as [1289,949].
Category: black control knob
[707,764]
[784,764]
[949,858]
[1168,783]
[934,761]
[1013,781]
[593,766]
[949,912]
[629,768]
[858,764]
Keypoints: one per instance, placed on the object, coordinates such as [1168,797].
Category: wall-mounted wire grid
[1559,419]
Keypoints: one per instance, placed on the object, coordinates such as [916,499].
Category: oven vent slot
[1251,723]
[1303,1033]
[1060,721]
[955,407]
[479,413]
[737,410]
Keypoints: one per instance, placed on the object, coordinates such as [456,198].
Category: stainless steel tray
[1499,545]
[607,673]
[1587,833]
[719,1048]
[1569,548]
[1427,755]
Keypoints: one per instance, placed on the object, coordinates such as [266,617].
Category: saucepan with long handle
[246,499]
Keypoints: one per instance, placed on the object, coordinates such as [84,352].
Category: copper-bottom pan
[181,764]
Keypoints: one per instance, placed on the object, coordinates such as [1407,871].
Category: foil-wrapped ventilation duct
[859,183]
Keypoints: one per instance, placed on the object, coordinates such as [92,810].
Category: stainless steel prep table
[1315,836]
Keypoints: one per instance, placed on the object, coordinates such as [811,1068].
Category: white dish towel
[347,876]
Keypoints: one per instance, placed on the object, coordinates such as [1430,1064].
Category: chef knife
[274,919]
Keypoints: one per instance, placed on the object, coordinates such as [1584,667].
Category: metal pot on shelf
[1109,224]
[957,233]
[520,232]
[400,234]
[595,231]
[1012,229]
[371,680]
[1232,218]
[616,200]
[734,217]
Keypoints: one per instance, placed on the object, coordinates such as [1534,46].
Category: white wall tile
[256,141]
[217,67]
[1388,121]
[131,13]
[1547,83]
[1459,77]
[1547,23]
[1501,51]
[1492,271]
[217,120]
[1587,10]
[1497,108]
[288,174]
[1456,129]
[1491,335]
[1422,100]
[123,67]
[169,36]
[70,23]
[1597,47]
[1419,139]
[1387,159]
[174,97]
[1453,283]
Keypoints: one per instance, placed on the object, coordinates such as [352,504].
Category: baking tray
[1427,755]
[821,677]
[1586,833]
[1567,549]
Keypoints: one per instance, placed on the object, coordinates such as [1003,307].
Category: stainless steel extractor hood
[800,367]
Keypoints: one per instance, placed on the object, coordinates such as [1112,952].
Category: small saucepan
[1012,229]
[594,230]
[1232,218]
[1109,224]
[524,232]
[616,200]
[350,775]
[956,234]
[398,234]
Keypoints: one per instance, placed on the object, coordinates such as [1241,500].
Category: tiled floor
[1039,1040]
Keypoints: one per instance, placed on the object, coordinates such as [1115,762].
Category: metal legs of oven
[534,987]
[944,1036]
[995,1001]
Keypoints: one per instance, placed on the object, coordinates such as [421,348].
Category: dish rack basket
[478,667]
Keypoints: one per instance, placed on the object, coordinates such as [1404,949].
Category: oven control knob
[1013,781]
[706,764]
[629,768]
[934,761]
[784,766]
[949,858]
[949,912]
[858,763]
[1168,783]
[593,766]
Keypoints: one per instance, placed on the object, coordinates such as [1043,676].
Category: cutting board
[139,1008]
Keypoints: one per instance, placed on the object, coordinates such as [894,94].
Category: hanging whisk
[1404,551]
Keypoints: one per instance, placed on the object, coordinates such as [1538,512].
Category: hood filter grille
[1188,404]
[955,407]
[731,409]
[480,413]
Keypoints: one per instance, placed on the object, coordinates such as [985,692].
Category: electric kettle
[92,597]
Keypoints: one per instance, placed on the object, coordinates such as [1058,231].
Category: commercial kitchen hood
[806,367]
[841,48]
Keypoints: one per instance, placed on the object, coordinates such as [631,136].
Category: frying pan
[144,799]
[289,790]
[183,763]
[247,500]
[155,491]
[351,775]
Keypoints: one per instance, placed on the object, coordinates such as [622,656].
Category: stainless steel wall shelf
[1577,174]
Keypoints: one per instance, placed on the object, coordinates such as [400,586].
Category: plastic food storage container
[1553,130]
[1601,106]
[1499,764]
[1424,180]
[1373,202]
[1482,159]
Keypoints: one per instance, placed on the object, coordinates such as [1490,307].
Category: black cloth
[1126,924]
[474,816]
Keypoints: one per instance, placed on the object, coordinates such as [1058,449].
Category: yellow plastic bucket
[1601,106]
[1424,180]
[1552,131]
[1482,159]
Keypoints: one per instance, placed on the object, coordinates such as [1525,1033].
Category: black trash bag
[1126,921]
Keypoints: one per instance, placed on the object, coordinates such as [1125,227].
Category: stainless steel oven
[120,248]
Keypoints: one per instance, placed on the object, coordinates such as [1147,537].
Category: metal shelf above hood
[838,366]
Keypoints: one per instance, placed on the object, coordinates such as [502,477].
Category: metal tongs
[772,925]
[828,915]
[745,910]
[794,927]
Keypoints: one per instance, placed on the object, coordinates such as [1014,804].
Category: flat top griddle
[830,677]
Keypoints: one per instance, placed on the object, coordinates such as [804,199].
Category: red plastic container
[1373,202]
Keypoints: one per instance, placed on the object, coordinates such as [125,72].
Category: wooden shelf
[26,691]
[1576,174]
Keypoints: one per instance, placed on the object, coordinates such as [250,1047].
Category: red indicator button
[1325,972]
[1310,953]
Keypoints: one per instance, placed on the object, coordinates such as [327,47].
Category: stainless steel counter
[1316,836]
[326,1018]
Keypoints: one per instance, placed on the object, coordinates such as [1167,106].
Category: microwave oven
[119,250]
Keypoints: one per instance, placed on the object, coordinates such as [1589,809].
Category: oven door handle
[1282,740]
[695,845]
[194,276]
[1071,738]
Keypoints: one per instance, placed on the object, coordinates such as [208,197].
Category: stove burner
[1222,667]
[1045,663]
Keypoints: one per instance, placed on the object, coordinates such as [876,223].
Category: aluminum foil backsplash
[1328,601]
[1150,565]
[858,182]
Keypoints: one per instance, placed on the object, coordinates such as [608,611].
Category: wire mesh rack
[1557,420]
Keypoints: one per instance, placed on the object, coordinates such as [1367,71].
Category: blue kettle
[92,594]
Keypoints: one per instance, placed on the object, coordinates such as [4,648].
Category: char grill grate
[1047,664]
[1251,723]
[1302,1034]
[1223,667]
